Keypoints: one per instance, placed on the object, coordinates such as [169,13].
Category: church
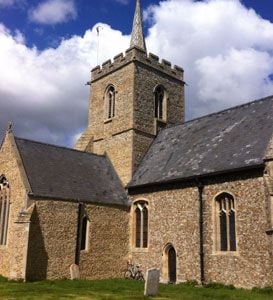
[193,199]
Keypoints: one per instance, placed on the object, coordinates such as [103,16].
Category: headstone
[74,272]
[152,282]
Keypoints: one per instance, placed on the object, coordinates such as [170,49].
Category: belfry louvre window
[141,224]
[159,102]
[110,102]
[226,224]
[4,209]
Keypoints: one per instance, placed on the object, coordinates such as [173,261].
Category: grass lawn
[120,289]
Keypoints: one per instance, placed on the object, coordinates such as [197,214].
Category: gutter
[132,187]
[53,198]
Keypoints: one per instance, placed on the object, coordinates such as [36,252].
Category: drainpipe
[200,187]
[77,250]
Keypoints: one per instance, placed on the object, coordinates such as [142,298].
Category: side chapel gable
[11,162]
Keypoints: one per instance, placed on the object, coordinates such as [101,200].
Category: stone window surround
[216,229]
[136,203]
[4,211]
[109,108]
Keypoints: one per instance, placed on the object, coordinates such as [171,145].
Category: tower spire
[137,36]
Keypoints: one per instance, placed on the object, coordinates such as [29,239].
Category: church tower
[131,98]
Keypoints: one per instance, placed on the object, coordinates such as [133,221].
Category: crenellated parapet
[137,55]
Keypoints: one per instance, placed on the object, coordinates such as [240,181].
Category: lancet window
[159,98]
[141,224]
[4,209]
[84,233]
[110,102]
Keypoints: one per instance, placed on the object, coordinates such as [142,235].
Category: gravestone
[74,272]
[152,282]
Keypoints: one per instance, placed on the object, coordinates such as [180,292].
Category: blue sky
[48,47]
[116,13]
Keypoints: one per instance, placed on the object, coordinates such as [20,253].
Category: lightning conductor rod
[98,28]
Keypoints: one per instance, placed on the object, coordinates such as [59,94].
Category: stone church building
[194,199]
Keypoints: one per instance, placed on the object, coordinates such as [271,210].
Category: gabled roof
[63,173]
[232,139]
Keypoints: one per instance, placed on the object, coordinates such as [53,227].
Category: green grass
[122,289]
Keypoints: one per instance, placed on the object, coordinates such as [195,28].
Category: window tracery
[141,224]
[226,224]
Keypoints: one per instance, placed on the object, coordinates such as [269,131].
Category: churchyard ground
[121,289]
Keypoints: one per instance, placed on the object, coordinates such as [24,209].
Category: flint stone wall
[53,235]
[174,217]
[13,254]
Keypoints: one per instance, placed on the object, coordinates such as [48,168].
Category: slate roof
[64,173]
[229,140]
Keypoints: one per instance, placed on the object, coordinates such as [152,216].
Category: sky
[48,47]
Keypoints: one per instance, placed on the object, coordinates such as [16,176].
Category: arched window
[225,222]
[84,233]
[4,209]
[159,102]
[141,224]
[110,102]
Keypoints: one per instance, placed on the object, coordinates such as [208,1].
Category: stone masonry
[42,233]
[174,207]
[13,255]
[135,76]
[53,234]
[173,219]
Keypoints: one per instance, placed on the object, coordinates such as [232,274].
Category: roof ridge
[221,111]
[57,146]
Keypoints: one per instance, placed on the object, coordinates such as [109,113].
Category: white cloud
[44,93]
[225,49]
[238,75]
[53,12]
